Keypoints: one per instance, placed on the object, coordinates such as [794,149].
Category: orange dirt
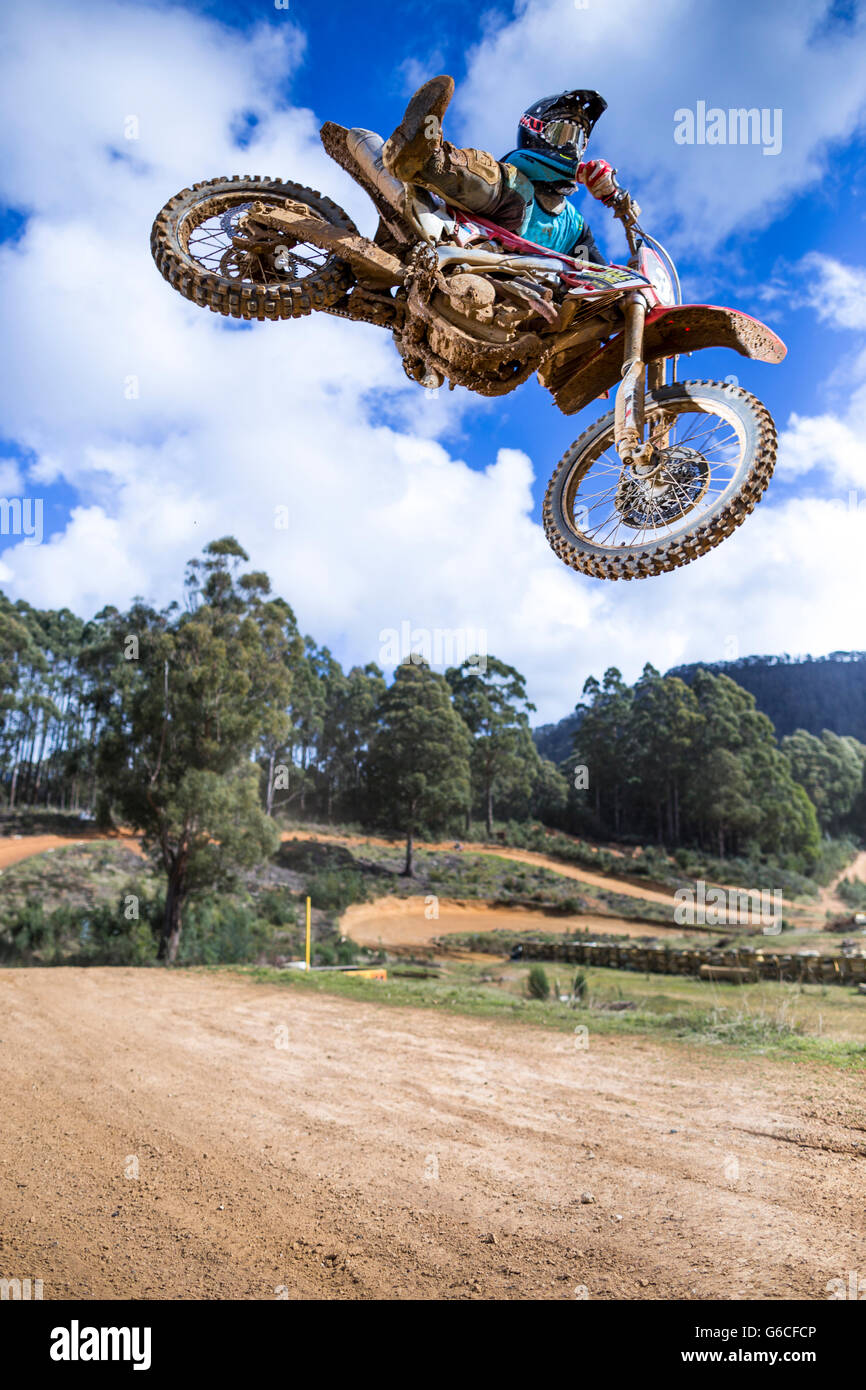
[402,922]
[390,1153]
[14,848]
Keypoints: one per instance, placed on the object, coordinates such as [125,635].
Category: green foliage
[185,707]
[853,892]
[549,797]
[334,890]
[331,719]
[825,692]
[833,857]
[537,982]
[334,953]
[491,699]
[105,934]
[275,906]
[695,764]
[222,931]
[418,763]
[830,769]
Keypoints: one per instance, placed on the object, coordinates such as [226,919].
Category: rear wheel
[715,449]
[206,243]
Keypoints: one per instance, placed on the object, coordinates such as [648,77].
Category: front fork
[637,377]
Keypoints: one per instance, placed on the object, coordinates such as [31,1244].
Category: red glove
[598,177]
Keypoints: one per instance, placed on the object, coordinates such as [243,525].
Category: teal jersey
[558,231]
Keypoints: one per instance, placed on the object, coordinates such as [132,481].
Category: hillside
[812,693]
[555,741]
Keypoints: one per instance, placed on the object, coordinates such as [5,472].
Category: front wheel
[208,245]
[714,453]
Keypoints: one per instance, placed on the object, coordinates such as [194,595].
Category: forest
[799,692]
[203,724]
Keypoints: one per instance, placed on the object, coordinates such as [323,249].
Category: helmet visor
[566,135]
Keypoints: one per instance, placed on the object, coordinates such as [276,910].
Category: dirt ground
[396,922]
[191,1135]
[15,848]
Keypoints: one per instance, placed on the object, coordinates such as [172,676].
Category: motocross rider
[526,191]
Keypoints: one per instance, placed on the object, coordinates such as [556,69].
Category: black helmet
[554,132]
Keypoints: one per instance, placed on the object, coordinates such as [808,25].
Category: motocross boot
[417,153]
[419,133]
[470,178]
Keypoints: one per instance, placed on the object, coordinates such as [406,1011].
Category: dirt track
[401,1153]
[402,922]
[15,848]
[623,885]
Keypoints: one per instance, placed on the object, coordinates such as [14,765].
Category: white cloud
[648,61]
[11,479]
[835,291]
[827,443]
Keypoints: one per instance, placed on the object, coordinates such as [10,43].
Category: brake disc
[679,479]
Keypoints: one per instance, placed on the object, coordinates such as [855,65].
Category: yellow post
[308,934]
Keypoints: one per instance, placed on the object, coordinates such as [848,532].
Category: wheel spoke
[210,244]
[713,450]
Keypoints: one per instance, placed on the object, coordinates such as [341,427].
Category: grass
[464,875]
[786,1022]
[80,875]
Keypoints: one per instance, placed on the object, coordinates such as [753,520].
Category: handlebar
[626,211]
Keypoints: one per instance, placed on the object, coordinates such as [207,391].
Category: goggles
[565,135]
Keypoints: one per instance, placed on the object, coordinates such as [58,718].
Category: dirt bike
[664,477]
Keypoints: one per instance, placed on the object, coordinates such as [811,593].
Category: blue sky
[406,508]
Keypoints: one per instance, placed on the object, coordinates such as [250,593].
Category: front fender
[579,379]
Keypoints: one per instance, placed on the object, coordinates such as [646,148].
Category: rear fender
[669,332]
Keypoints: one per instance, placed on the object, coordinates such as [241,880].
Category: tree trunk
[490,811]
[171,925]
[409,866]
[270,800]
[39,758]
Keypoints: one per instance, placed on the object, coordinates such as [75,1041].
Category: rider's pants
[474,180]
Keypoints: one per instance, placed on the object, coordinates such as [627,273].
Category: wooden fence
[734,965]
